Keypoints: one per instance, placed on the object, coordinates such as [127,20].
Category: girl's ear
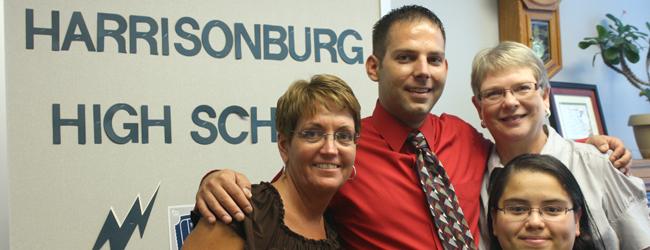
[578,215]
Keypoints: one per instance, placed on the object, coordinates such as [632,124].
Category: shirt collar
[395,132]
[554,145]
[494,161]
[558,146]
[554,142]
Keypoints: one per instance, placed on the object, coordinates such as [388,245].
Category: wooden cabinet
[535,23]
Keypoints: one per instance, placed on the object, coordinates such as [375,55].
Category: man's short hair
[406,13]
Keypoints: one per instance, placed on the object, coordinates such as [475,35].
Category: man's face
[412,74]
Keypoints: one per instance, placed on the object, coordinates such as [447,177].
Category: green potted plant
[618,44]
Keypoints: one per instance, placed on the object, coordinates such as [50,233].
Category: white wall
[4,175]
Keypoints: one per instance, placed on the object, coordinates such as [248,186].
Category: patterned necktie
[444,207]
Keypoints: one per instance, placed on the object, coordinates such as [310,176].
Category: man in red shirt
[384,207]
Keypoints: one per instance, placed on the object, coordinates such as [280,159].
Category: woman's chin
[331,183]
[510,136]
[328,179]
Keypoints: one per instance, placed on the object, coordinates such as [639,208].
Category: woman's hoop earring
[548,113]
[354,175]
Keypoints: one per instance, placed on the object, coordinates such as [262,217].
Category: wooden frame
[576,111]
[523,20]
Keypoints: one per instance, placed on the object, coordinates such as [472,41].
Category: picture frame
[535,23]
[575,110]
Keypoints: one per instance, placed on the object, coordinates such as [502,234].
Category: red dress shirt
[384,207]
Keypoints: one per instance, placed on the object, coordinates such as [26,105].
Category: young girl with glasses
[535,202]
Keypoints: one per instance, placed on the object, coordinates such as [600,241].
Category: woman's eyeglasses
[520,213]
[519,91]
[344,138]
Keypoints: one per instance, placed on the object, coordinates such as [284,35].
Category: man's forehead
[396,42]
[411,23]
[400,26]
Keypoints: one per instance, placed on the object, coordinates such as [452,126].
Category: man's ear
[283,146]
[372,67]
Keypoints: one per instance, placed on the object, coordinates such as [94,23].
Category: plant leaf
[624,29]
[611,55]
[646,93]
[618,41]
[585,44]
[613,18]
[602,32]
[632,47]
[631,53]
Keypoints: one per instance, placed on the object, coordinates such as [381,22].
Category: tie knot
[417,139]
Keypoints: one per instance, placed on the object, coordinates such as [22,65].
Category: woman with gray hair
[511,95]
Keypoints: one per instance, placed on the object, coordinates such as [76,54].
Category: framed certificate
[575,110]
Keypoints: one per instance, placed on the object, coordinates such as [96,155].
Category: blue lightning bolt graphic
[118,234]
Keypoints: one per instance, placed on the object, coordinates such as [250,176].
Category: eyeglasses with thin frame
[343,138]
[519,91]
[517,213]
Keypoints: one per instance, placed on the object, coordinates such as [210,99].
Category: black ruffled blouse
[265,228]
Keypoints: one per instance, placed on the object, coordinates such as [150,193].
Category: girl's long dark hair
[589,236]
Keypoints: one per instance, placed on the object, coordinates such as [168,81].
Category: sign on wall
[116,109]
